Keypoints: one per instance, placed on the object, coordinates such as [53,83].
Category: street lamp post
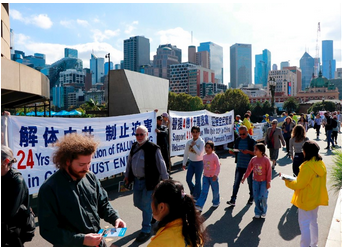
[272,85]
[108,56]
[323,103]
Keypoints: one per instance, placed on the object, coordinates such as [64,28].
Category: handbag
[26,223]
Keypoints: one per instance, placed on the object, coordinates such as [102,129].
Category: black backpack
[333,123]
[26,223]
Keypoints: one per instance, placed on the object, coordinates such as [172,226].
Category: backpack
[26,223]
[333,123]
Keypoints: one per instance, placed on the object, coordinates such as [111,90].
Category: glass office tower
[328,62]
[215,58]
[240,64]
[136,53]
[96,69]
[307,65]
[262,67]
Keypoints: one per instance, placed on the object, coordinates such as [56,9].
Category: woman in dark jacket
[14,193]
[273,138]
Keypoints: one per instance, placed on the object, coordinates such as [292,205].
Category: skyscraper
[240,64]
[307,65]
[192,54]
[284,64]
[96,69]
[106,67]
[262,67]
[136,53]
[328,62]
[215,58]
[71,53]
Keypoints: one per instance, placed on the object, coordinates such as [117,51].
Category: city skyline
[102,28]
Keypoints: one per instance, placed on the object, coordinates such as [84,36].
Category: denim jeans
[239,172]
[194,168]
[260,197]
[142,199]
[329,132]
[207,182]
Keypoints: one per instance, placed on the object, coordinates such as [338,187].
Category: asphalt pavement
[235,226]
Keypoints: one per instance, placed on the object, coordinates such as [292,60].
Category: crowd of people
[72,201]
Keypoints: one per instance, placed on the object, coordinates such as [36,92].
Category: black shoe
[327,148]
[232,203]
[143,237]
[250,201]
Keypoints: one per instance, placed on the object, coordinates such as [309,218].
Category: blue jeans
[239,172]
[194,168]
[142,199]
[260,197]
[207,182]
[329,132]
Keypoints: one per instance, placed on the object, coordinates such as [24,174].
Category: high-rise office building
[307,65]
[274,67]
[178,51]
[240,64]
[202,59]
[328,62]
[262,67]
[106,67]
[36,61]
[136,53]
[70,52]
[192,54]
[96,68]
[215,58]
[284,64]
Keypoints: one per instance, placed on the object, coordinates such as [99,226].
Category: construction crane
[316,66]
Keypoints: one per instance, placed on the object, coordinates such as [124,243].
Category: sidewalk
[335,233]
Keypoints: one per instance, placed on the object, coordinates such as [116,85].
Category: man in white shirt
[194,150]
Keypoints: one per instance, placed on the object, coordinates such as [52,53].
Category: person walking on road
[179,224]
[329,129]
[310,192]
[163,142]
[194,150]
[287,128]
[317,125]
[296,147]
[211,170]
[72,200]
[273,138]
[145,167]
[262,174]
[245,146]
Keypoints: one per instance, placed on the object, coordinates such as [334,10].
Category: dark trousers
[317,127]
[165,154]
[298,159]
[239,172]
[287,141]
[334,136]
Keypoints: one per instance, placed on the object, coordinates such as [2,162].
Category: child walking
[262,172]
[211,170]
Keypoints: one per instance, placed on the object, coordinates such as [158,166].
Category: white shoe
[263,216]
[215,206]
[257,216]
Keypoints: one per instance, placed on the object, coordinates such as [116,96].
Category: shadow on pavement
[284,161]
[249,236]
[218,235]
[288,224]
[207,214]
[127,239]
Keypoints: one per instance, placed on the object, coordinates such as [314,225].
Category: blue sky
[287,28]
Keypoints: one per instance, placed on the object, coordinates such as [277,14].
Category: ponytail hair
[181,205]
[262,148]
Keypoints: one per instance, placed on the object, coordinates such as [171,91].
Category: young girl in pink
[211,170]
[262,172]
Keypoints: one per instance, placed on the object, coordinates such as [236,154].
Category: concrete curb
[335,233]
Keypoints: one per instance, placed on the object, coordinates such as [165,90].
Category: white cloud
[66,24]
[82,22]
[21,39]
[131,27]
[99,35]
[42,20]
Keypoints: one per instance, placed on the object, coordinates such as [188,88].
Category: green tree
[232,99]
[184,102]
[291,105]
[320,106]
[257,112]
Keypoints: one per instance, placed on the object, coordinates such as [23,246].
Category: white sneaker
[215,206]
[263,216]
[257,216]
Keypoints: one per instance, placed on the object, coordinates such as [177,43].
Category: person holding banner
[194,150]
[145,167]
[245,146]
[163,142]
[72,200]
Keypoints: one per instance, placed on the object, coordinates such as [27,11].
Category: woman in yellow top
[180,225]
[246,122]
[310,192]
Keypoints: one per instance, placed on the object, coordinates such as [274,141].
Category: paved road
[227,226]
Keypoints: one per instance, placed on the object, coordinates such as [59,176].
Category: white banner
[218,128]
[31,139]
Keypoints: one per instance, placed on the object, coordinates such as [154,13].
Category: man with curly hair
[72,201]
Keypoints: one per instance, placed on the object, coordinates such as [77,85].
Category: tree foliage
[184,102]
[232,99]
[291,105]
[319,106]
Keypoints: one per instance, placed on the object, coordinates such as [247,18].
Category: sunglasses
[242,134]
[140,134]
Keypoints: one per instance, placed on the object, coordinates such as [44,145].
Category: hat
[274,121]
[238,116]
[311,146]
[159,118]
[165,115]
